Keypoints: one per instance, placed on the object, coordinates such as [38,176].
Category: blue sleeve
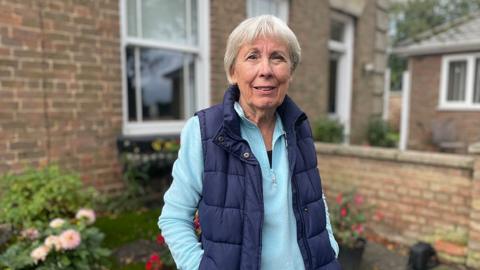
[333,242]
[181,200]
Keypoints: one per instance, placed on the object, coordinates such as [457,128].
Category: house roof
[457,36]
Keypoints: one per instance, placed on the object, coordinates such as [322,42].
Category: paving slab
[378,257]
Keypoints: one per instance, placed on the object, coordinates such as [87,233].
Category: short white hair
[261,26]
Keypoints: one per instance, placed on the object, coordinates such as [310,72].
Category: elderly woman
[249,167]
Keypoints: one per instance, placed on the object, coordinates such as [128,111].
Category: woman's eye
[278,57]
[252,56]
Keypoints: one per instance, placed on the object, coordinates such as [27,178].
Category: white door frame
[344,72]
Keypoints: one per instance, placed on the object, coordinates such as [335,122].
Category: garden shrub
[135,178]
[348,217]
[327,130]
[71,243]
[37,196]
[379,133]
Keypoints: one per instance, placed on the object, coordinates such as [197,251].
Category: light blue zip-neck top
[279,235]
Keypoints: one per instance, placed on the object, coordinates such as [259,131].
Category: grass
[124,228]
[128,227]
[132,266]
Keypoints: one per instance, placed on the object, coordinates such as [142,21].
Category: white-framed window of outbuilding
[460,82]
[165,52]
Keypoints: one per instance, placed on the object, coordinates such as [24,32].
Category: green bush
[135,177]
[38,196]
[327,130]
[349,216]
[379,133]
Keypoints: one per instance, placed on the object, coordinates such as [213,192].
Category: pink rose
[70,239]
[87,214]
[53,241]
[57,223]
[30,233]
[40,253]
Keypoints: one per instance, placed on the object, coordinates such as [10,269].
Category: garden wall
[417,194]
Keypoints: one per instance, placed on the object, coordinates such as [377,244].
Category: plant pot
[351,257]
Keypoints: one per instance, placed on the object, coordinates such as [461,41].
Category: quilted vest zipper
[261,219]
[304,234]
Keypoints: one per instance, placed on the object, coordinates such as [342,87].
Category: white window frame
[284,8]
[345,64]
[467,105]
[202,72]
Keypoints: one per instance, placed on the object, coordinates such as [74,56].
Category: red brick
[450,248]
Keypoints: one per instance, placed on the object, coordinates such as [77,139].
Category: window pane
[162,84]
[194,30]
[476,90]
[132,17]
[278,8]
[456,80]
[166,20]
[130,70]
[337,29]
[332,87]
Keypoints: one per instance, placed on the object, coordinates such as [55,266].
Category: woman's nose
[265,68]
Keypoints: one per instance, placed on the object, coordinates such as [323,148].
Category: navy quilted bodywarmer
[231,208]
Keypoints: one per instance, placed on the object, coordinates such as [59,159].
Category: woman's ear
[233,76]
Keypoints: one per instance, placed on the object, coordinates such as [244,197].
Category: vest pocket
[223,190]
[220,224]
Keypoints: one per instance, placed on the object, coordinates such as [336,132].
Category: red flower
[148,266]
[359,229]
[196,222]
[154,263]
[160,240]
[358,199]
[378,216]
[154,257]
[339,198]
[343,212]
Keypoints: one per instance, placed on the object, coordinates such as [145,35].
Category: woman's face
[262,71]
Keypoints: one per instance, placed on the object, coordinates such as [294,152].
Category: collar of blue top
[288,112]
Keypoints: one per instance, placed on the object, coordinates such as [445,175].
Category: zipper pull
[274,177]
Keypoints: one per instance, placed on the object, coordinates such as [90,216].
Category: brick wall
[224,17]
[417,193]
[60,87]
[310,22]
[424,96]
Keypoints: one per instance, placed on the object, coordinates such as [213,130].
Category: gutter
[451,47]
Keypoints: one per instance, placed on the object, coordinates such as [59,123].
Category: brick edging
[378,153]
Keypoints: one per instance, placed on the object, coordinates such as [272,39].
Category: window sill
[459,108]
[170,127]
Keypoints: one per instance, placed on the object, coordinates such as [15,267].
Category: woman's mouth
[264,88]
